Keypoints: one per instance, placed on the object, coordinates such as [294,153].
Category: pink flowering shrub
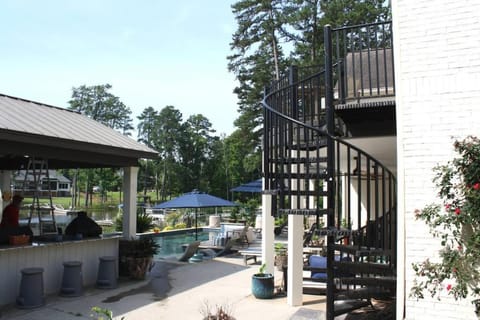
[456,222]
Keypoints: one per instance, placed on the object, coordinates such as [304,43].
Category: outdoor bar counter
[50,256]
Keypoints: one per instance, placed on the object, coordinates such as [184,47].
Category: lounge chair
[227,249]
[240,237]
[250,254]
[190,250]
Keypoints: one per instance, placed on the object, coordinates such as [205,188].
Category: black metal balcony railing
[364,61]
[309,170]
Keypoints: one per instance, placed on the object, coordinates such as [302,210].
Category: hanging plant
[456,222]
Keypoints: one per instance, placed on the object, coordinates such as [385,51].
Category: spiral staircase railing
[311,170]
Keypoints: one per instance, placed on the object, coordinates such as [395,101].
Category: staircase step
[304,212]
[294,175]
[301,160]
[272,192]
[361,251]
[345,306]
[318,193]
[360,267]
[308,146]
[384,282]
[364,293]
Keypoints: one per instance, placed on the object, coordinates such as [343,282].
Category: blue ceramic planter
[263,285]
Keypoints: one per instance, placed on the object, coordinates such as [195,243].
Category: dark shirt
[84,225]
[10,216]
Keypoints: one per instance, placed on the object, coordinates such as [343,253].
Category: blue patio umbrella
[252,186]
[195,199]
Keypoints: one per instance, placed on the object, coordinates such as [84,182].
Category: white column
[5,182]
[268,236]
[130,202]
[295,260]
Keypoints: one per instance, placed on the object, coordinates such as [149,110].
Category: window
[63,186]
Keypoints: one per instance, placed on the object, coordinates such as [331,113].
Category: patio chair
[190,250]
[227,249]
[242,238]
[251,254]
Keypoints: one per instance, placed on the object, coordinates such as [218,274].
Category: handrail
[310,170]
[322,132]
[362,25]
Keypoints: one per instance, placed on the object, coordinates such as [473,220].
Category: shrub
[144,221]
[180,225]
[456,222]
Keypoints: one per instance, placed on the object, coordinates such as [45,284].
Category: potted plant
[219,312]
[136,256]
[263,284]
[281,257]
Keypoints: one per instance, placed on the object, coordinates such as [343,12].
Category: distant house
[60,186]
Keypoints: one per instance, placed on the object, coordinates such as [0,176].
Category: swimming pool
[171,244]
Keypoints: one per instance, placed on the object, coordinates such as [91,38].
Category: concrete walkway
[178,291]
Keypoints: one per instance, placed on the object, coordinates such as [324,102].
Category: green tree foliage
[257,59]
[217,178]
[195,152]
[147,134]
[305,20]
[147,126]
[99,104]
[265,30]
[190,156]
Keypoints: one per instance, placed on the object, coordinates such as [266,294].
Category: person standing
[11,213]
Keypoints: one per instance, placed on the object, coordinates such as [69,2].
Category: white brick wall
[437,64]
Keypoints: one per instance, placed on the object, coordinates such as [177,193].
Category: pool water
[171,245]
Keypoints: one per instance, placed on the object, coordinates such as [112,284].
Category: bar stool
[107,275]
[72,280]
[31,289]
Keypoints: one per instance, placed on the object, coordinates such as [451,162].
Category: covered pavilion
[66,139]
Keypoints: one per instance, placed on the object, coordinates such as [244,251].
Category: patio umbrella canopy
[195,199]
[252,186]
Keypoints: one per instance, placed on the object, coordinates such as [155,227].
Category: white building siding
[50,257]
[437,65]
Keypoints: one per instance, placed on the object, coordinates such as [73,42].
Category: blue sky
[153,52]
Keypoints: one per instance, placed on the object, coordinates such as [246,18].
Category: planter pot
[138,267]
[281,261]
[263,285]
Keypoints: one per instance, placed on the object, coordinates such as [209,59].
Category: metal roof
[66,138]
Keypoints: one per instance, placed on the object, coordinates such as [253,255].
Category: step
[364,293]
[272,192]
[345,306]
[302,146]
[304,212]
[361,251]
[306,176]
[318,193]
[360,267]
[384,282]
[301,160]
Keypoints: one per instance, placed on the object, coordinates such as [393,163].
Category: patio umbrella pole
[195,199]
[196,225]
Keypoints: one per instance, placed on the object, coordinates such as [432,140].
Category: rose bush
[456,222]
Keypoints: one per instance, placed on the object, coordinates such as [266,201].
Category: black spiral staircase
[311,169]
